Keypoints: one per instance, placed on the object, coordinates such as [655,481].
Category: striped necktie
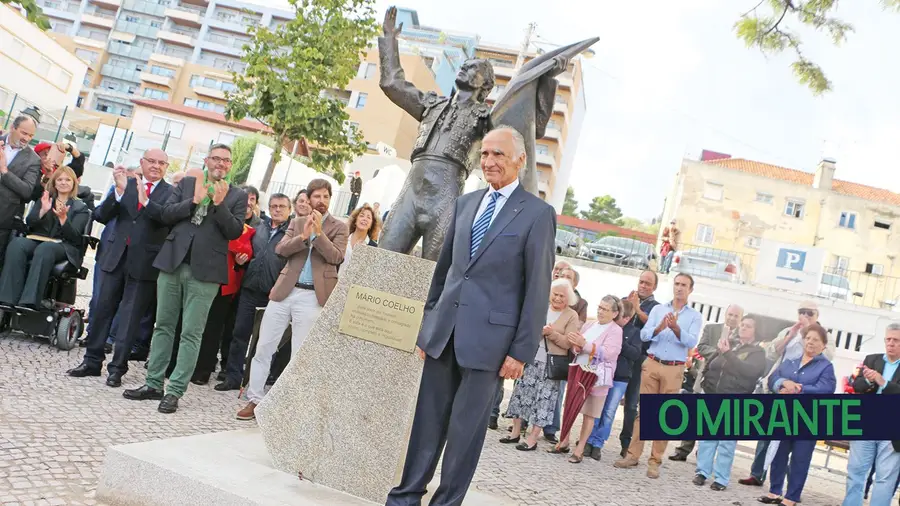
[483,223]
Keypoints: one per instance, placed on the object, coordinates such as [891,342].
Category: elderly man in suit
[314,246]
[483,319]
[129,277]
[707,347]
[879,374]
[20,169]
[205,212]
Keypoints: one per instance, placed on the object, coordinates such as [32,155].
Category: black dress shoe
[699,480]
[678,457]
[200,378]
[551,438]
[83,370]
[226,386]
[588,448]
[595,453]
[624,452]
[168,404]
[718,487]
[492,423]
[769,500]
[114,380]
[137,356]
[107,348]
[221,376]
[144,393]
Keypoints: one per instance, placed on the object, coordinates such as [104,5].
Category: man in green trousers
[205,212]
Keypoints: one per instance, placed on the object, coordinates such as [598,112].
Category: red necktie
[149,188]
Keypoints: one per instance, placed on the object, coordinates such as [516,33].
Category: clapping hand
[120,176]
[143,198]
[316,218]
[874,376]
[724,345]
[45,203]
[576,339]
[220,190]
[634,299]
[62,212]
[3,167]
[307,230]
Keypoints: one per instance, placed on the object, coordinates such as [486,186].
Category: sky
[670,79]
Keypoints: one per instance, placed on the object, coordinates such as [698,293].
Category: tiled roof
[805,178]
[214,117]
[593,226]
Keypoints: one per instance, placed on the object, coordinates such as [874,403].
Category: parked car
[566,243]
[834,286]
[709,263]
[621,251]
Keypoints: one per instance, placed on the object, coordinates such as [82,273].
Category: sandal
[576,459]
[525,448]
[556,451]
[509,439]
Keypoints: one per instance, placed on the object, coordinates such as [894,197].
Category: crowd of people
[184,265]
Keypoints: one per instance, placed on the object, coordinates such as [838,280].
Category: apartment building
[175,50]
[555,153]
[731,204]
[36,69]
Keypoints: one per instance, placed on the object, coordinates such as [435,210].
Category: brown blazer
[557,342]
[327,253]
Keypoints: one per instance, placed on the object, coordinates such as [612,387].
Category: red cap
[44,146]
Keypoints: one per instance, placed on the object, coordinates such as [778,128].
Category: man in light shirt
[20,168]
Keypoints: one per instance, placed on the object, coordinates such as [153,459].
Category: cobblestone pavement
[54,432]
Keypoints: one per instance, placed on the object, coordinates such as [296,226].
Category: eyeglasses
[604,309]
[216,159]
[151,161]
[806,312]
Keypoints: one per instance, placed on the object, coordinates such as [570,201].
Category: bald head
[154,164]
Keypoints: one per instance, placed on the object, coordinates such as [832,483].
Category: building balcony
[199,3]
[222,63]
[127,38]
[137,28]
[165,59]
[121,73]
[90,43]
[175,38]
[114,4]
[209,92]
[184,16]
[544,186]
[156,79]
[129,51]
[96,19]
[224,45]
[501,71]
[553,133]
[144,7]
[561,108]
[231,23]
[61,10]
[546,160]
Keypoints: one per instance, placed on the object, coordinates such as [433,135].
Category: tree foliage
[289,70]
[603,210]
[32,11]
[570,205]
[242,150]
[766,27]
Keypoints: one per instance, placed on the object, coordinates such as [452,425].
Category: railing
[184,8]
[137,28]
[235,65]
[100,14]
[144,7]
[129,51]
[121,73]
[63,6]
[184,54]
[226,41]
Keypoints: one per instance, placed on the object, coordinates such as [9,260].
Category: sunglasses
[806,312]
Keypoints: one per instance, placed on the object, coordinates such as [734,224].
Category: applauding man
[205,212]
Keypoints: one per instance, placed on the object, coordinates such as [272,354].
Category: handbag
[557,367]
[605,372]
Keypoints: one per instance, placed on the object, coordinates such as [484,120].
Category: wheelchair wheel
[68,330]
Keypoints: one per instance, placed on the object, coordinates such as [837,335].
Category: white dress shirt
[504,192]
[10,153]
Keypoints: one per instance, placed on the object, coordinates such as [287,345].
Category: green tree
[33,12]
[632,223]
[769,31]
[603,210]
[290,70]
[570,205]
[242,150]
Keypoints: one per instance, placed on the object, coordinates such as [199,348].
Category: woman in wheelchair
[56,226]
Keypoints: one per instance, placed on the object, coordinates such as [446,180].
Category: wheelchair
[58,319]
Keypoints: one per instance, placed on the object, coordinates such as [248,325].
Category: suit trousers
[105,303]
[453,407]
[137,300]
[5,237]
[300,309]
[655,379]
[178,294]
[244,318]
[18,288]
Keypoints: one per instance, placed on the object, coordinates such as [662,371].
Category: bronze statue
[450,132]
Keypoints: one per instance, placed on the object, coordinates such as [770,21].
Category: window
[705,234]
[88,56]
[840,264]
[156,24]
[43,67]
[156,94]
[754,242]
[882,224]
[559,99]
[794,209]
[226,138]
[763,197]
[162,71]
[876,269]
[16,49]
[848,220]
[132,19]
[160,125]
[498,62]
[552,124]
[361,100]
[541,149]
[713,191]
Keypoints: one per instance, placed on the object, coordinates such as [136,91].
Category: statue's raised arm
[393,80]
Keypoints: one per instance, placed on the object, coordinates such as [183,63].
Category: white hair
[518,139]
[571,298]
[893,326]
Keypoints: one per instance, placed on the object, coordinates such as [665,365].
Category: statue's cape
[517,107]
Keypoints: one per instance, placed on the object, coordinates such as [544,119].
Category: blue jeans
[667,262]
[887,467]
[757,470]
[603,425]
[796,470]
[553,429]
[714,460]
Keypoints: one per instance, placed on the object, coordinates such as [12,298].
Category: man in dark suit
[205,212]
[127,263]
[483,319]
[879,374]
[20,168]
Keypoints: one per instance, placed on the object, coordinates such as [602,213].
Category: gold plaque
[382,318]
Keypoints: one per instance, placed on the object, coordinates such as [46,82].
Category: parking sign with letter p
[791,259]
